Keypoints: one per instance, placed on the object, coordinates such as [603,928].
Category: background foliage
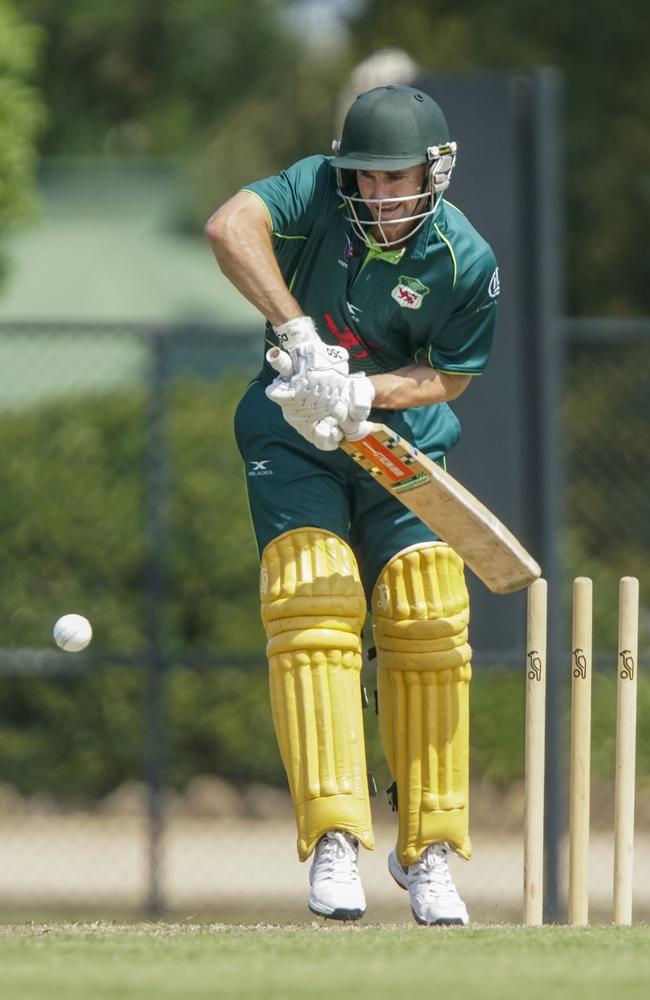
[79,520]
[236,92]
[21,115]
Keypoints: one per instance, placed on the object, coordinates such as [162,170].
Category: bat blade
[440,501]
[459,518]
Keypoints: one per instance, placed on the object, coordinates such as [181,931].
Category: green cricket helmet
[393,128]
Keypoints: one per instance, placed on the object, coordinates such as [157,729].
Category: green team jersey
[431,301]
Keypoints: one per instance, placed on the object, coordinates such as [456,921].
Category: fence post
[156,532]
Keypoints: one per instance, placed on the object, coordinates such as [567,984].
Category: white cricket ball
[72,633]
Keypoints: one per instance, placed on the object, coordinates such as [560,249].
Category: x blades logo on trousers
[259,468]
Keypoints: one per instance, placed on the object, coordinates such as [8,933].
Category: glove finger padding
[307,401]
[328,392]
[280,390]
[319,392]
[361,394]
[354,430]
[325,434]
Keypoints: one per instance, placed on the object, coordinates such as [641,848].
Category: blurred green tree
[238,93]
[71,540]
[21,115]
[155,77]
[601,51]
[230,87]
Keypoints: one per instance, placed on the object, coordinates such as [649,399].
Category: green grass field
[361,962]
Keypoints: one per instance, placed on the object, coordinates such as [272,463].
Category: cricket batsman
[383,295]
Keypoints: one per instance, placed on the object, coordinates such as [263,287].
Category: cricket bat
[459,518]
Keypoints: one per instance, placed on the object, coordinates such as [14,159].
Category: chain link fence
[141,775]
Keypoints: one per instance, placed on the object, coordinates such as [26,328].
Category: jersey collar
[375,252]
[417,248]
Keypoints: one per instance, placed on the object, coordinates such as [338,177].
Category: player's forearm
[416,385]
[241,243]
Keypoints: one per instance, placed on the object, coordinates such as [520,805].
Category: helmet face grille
[423,205]
[390,128]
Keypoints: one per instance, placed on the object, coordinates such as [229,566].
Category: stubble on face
[379,184]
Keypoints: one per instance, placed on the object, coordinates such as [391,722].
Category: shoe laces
[336,857]
[432,870]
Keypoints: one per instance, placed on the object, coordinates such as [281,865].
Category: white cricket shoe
[434,897]
[336,889]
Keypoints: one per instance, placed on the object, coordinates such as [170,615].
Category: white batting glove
[348,398]
[312,374]
[317,394]
[310,397]
[325,434]
[299,338]
[308,402]
[359,399]
[296,333]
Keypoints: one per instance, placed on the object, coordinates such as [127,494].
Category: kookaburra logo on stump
[627,664]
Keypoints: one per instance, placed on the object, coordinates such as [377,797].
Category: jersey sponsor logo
[354,311]
[348,251]
[409,292]
[259,468]
[494,287]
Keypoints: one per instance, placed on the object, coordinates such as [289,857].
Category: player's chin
[397,229]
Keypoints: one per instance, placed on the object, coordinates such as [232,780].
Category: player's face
[394,184]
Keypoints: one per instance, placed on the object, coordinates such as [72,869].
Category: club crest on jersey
[409,292]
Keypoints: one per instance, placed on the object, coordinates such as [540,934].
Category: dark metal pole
[551,481]
[543,375]
[551,304]
[156,537]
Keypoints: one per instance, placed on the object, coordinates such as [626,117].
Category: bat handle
[280,361]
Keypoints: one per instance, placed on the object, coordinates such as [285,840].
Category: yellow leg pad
[313,609]
[420,614]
